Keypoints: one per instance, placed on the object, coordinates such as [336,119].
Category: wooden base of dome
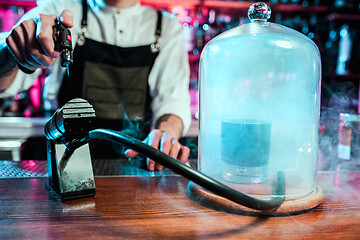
[290,206]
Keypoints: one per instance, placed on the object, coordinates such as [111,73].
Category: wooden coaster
[290,206]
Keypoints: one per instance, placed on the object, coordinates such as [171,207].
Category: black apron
[115,81]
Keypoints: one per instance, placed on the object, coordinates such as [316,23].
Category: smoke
[137,128]
[103,149]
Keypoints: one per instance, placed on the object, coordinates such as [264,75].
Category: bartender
[129,62]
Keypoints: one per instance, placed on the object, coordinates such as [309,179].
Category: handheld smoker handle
[63,43]
[186,171]
[62,37]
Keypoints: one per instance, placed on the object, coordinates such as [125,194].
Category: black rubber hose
[188,172]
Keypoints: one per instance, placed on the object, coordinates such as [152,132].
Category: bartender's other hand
[31,42]
[165,143]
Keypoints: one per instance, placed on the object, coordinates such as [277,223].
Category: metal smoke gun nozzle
[72,121]
[63,44]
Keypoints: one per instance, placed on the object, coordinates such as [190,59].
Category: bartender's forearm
[171,124]
[8,68]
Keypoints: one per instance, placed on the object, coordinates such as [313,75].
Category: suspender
[154,47]
[81,39]
[84,14]
[158,25]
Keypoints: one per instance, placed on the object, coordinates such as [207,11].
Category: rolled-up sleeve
[169,78]
[21,83]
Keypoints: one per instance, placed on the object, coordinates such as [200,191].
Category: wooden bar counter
[157,207]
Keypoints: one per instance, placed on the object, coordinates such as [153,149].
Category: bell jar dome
[259,94]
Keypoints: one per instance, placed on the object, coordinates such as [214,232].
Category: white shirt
[130,27]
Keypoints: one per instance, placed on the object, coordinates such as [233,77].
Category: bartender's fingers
[131,153]
[175,148]
[171,147]
[162,141]
[44,28]
[67,18]
[154,139]
[33,52]
[165,147]
[16,45]
[184,154]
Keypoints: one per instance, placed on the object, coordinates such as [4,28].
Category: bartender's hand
[31,42]
[165,138]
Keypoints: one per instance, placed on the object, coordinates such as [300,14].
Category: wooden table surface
[143,207]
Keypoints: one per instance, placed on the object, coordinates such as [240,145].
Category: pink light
[35,93]
[8,19]
[27,113]
[31,163]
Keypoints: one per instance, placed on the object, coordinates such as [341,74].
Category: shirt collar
[129,10]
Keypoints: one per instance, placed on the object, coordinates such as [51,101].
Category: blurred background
[334,25]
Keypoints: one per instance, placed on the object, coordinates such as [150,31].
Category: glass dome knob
[259,12]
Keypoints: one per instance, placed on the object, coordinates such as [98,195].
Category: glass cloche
[259,107]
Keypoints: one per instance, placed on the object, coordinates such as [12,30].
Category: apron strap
[158,24]
[155,47]
[84,25]
[84,14]
[84,19]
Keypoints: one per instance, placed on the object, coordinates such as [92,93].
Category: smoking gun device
[70,172]
[68,133]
